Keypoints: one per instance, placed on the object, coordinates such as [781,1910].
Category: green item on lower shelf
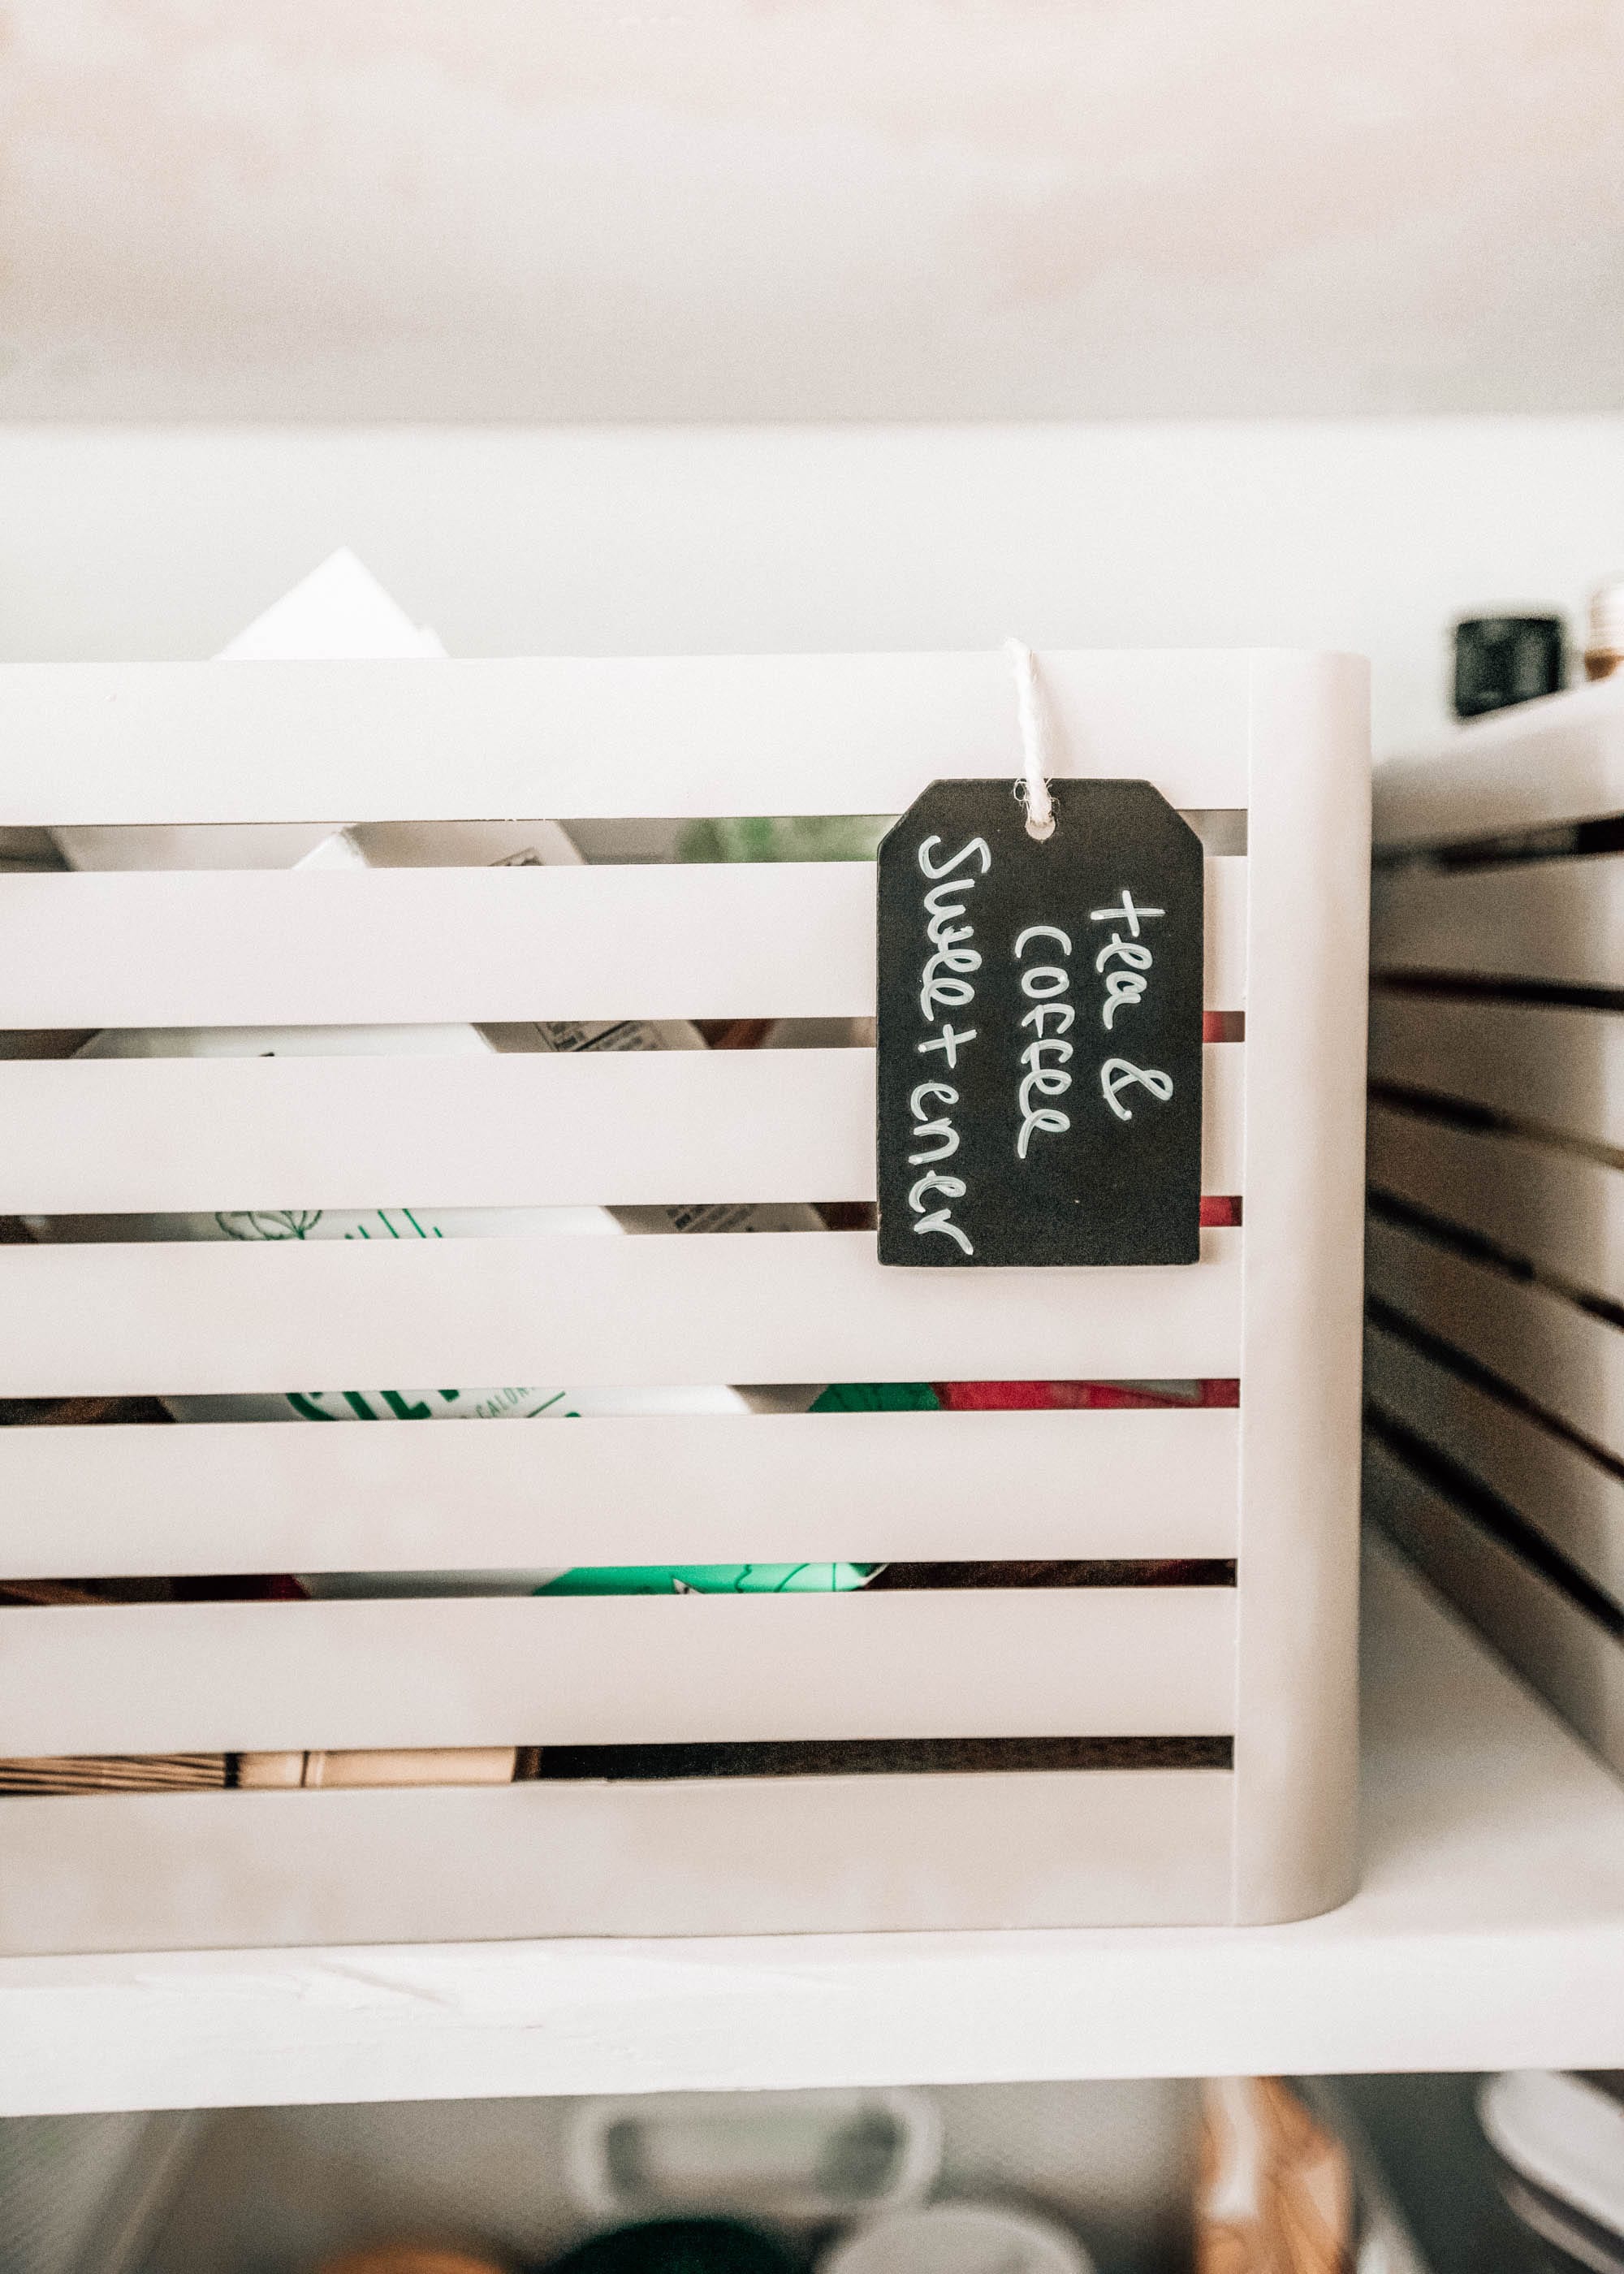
[676,2246]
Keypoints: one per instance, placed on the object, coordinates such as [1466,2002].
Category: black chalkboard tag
[1040,1030]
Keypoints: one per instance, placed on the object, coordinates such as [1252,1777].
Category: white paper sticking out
[339,612]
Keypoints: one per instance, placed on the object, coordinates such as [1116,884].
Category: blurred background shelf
[1489,1933]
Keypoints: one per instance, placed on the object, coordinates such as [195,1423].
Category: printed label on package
[1040,1030]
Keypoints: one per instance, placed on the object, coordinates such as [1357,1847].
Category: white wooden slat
[1561,1492]
[766,1307]
[207,1677]
[422,946]
[660,1489]
[1565,1360]
[1531,767]
[1567,1656]
[1561,921]
[120,1135]
[599,737]
[1560,1211]
[769,1855]
[1539,1064]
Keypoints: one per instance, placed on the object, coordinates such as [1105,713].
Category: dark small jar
[1499,661]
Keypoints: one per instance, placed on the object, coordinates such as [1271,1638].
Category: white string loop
[1035,753]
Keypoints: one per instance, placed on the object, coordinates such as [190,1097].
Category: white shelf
[1489,1933]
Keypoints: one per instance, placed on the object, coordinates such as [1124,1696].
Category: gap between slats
[1554,1484]
[617,1128]
[1542,1066]
[431,1768]
[1559,1215]
[1494,1516]
[1560,1357]
[157,1678]
[416,946]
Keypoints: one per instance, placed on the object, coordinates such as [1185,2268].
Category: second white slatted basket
[1266,1665]
[1496,1347]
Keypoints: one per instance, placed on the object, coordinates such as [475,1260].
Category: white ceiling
[793,209]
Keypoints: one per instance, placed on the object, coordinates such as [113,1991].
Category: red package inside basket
[993,1396]
[1003,1397]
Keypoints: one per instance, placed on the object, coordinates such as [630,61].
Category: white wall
[1364,535]
[748,209]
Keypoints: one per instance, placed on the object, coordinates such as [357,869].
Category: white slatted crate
[1260,1672]
[1495,1355]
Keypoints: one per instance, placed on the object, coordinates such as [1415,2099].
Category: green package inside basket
[756,1579]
